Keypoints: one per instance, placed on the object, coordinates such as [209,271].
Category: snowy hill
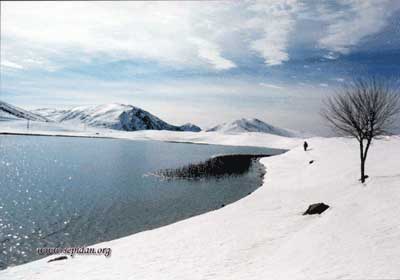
[190,127]
[10,112]
[114,116]
[251,125]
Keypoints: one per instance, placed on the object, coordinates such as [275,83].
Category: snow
[265,235]
[202,137]
[8,111]
[190,127]
[112,116]
[252,125]
[5,116]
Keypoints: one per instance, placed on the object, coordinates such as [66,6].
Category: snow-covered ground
[265,235]
[78,129]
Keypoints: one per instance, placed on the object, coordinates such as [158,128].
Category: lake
[64,191]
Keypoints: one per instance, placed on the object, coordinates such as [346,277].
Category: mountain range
[113,116]
[129,118]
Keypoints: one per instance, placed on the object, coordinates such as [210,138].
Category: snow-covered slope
[113,116]
[49,113]
[8,111]
[265,235]
[251,125]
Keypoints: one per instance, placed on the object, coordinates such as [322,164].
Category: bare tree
[364,109]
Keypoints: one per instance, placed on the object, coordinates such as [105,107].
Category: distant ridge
[8,111]
[114,116]
[251,125]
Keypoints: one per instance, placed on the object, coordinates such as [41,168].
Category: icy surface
[265,235]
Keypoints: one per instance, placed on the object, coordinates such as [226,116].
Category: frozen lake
[63,192]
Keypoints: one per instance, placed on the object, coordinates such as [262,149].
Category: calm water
[62,192]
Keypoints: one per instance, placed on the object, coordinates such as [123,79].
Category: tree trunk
[362,170]
[362,160]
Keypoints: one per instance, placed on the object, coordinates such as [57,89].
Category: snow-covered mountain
[114,116]
[251,125]
[9,112]
[190,127]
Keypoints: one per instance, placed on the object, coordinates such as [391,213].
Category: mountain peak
[114,116]
[251,125]
[190,127]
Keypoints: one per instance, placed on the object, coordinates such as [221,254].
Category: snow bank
[264,235]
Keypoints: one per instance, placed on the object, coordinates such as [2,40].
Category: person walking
[305,145]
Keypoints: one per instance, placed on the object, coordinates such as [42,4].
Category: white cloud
[340,80]
[209,34]
[10,64]
[189,34]
[357,20]
[275,20]
[159,31]
[331,55]
[211,52]
[270,86]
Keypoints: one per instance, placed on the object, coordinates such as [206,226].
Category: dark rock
[316,208]
[58,259]
[190,127]
[311,162]
[223,205]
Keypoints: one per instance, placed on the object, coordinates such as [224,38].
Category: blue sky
[203,62]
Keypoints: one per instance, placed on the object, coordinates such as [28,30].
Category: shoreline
[261,170]
[282,150]
[265,235]
[250,139]
[55,135]
[258,166]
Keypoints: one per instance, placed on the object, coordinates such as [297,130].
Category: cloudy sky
[204,62]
